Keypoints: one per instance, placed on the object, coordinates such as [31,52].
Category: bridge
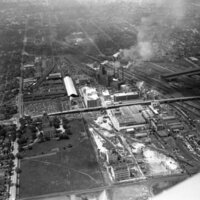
[190,72]
[118,105]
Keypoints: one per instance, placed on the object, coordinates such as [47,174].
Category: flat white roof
[28,65]
[55,74]
[126,94]
[90,93]
[105,93]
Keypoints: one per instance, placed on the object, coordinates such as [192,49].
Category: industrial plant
[100,100]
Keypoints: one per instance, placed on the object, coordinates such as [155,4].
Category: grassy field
[47,147]
[71,169]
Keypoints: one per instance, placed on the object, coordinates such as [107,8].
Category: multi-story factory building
[90,96]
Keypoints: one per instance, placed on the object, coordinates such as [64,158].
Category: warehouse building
[54,76]
[135,119]
[69,86]
[125,117]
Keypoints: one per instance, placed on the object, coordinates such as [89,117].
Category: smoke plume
[155,28]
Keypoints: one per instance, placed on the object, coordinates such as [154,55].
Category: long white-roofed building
[69,86]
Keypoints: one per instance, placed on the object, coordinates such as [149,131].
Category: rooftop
[90,93]
[105,93]
[126,94]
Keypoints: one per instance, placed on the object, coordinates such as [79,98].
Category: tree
[33,136]
[11,155]
[11,164]
[30,147]
[65,120]
[64,137]
[56,122]
[22,140]
[47,138]
[18,170]
[20,149]
[28,119]
[38,120]
[66,126]
[33,128]
[22,121]
[19,133]
[13,136]
[68,131]
[19,156]
[2,132]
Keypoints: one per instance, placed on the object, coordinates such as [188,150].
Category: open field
[70,169]
[48,147]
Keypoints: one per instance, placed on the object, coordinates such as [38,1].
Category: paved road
[14,177]
[13,189]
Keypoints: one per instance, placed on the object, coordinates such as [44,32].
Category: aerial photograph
[99,99]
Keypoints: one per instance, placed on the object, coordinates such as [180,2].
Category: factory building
[141,134]
[125,117]
[159,126]
[125,88]
[69,86]
[104,77]
[82,79]
[126,96]
[106,95]
[165,124]
[90,96]
[135,119]
[147,114]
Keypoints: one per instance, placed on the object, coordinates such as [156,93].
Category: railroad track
[184,107]
[195,105]
[189,107]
